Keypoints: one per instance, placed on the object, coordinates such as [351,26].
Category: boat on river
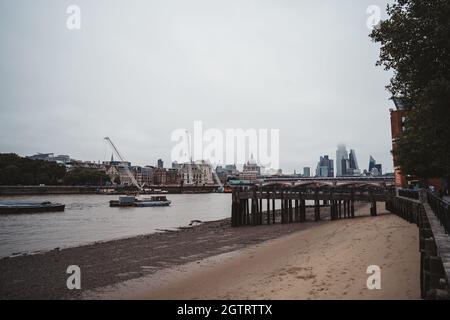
[11,207]
[132,201]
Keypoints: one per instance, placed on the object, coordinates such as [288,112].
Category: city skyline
[162,163]
[155,67]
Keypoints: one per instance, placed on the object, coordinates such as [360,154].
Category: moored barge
[12,207]
[131,201]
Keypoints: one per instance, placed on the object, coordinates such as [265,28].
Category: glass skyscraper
[341,160]
[325,167]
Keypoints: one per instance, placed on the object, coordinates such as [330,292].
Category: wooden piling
[352,204]
[291,213]
[273,210]
[340,209]
[316,206]
[302,210]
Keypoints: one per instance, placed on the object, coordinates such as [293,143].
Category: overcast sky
[137,70]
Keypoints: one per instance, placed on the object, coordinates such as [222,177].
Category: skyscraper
[375,169]
[372,163]
[346,163]
[353,168]
[344,167]
[341,154]
[353,160]
[160,164]
[307,172]
[325,167]
[379,168]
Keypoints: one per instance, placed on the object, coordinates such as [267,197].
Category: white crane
[124,164]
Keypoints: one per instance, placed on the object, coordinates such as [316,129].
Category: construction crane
[124,164]
[190,173]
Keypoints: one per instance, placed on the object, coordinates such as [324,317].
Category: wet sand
[312,260]
[327,260]
[43,276]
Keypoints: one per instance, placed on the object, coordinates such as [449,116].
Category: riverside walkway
[432,216]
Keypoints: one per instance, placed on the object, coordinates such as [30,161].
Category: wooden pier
[291,198]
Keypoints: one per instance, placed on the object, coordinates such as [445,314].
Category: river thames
[88,218]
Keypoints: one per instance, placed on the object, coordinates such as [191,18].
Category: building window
[403,123]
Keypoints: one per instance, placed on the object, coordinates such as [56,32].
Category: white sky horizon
[138,70]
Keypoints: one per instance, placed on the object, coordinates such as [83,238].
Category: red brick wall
[397,123]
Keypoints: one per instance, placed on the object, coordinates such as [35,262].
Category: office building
[375,169]
[341,160]
[306,172]
[325,167]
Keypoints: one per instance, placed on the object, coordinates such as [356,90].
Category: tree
[415,44]
[15,170]
[84,176]
[11,174]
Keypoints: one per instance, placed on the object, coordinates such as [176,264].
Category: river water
[88,218]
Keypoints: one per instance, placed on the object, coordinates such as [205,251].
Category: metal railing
[433,270]
[441,209]
[407,193]
[406,209]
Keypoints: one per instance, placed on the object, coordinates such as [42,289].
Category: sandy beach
[326,260]
[43,275]
[310,260]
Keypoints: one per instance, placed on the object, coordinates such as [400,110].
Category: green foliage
[83,176]
[415,44]
[15,170]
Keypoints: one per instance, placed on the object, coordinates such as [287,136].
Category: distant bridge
[388,180]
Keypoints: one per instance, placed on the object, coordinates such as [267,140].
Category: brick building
[398,118]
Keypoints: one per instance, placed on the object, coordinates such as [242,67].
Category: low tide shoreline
[326,261]
[43,275]
[155,256]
